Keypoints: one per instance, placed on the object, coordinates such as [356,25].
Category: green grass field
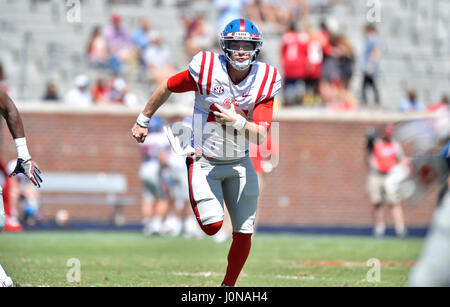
[129,259]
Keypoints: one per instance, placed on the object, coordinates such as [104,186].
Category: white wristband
[143,120]
[22,150]
[239,124]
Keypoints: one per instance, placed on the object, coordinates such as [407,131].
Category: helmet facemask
[227,47]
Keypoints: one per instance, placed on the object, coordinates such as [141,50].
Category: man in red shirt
[294,57]
[383,155]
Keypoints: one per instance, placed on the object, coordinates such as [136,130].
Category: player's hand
[225,116]
[28,168]
[139,133]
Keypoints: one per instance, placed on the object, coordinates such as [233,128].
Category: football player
[423,135]
[25,164]
[234,95]
[154,186]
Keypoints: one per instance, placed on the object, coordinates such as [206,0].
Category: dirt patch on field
[351,263]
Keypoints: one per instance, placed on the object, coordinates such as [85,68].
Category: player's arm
[11,115]
[25,164]
[255,131]
[179,83]
[262,119]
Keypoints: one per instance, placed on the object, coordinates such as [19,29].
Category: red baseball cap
[116,18]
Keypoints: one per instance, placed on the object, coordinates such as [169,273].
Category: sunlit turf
[130,259]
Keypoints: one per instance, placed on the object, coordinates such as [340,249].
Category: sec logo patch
[219,89]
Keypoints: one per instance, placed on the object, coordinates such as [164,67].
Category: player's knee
[242,236]
[212,229]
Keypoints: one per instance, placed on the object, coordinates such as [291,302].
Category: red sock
[239,250]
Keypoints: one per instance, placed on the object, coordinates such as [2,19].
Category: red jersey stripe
[210,70]
[200,76]
[190,166]
[263,84]
[242,28]
[272,83]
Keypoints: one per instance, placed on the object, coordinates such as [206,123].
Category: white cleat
[6,283]
[221,237]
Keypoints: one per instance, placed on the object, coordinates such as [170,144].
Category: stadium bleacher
[37,43]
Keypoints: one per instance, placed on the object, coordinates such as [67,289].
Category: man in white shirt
[80,95]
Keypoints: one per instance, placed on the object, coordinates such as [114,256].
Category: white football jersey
[209,70]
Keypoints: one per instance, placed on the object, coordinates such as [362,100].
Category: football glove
[29,169]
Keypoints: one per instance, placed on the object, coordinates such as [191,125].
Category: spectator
[155,151]
[411,103]
[264,11]
[201,36]
[9,199]
[80,95]
[3,84]
[316,48]
[141,37]
[97,51]
[383,154]
[119,45]
[443,105]
[371,64]
[346,60]
[294,57]
[228,10]
[343,52]
[99,91]
[288,11]
[25,196]
[330,80]
[119,94]
[158,60]
[51,92]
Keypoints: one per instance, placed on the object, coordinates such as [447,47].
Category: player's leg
[241,197]
[2,212]
[227,230]
[394,199]
[205,193]
[399,220]
[260,185]
[151,193]
[375,192]
[365,85]
[5,280]
[433,267]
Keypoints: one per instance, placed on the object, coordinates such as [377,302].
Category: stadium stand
[39,45]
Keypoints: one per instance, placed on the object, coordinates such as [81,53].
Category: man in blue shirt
[371,64]
[412,103]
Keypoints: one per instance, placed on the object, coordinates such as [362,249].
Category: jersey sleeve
[270,85]
[195,66]
[263,113]
[201,69]
[181,83]
[276,85]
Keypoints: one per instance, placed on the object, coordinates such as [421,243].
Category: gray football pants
[211,182]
